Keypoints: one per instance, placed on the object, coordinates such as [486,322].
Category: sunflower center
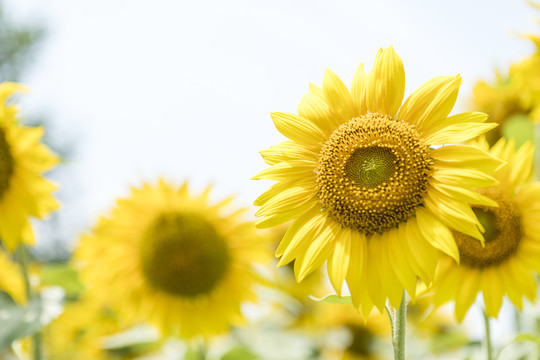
[503,232]
[6,163]
[373,172]
[362,340]
[182,254]
[371,167]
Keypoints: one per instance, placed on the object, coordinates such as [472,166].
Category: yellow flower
[11,280]
[512,240]
[364,188]
[23,191]
[174,260]
[366,337]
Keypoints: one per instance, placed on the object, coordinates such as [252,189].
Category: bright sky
[184,89]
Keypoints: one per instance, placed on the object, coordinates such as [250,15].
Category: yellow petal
[468,290]
[437,234]
[463,177]
[469,117]
[302,223]
[315,109]
[423,254]
[386,83]
[318,251]
[358,91]
[458,133]
[301,239]
[467,157]
[288,170]
[287,200]
[492,291]
[287,150]
[337,97]
[338,264]
[298,129]
[431,102]
[357,265]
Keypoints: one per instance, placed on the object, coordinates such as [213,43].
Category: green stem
[488,336]
[23,259]
[398,322]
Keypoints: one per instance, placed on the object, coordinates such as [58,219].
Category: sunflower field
[184,180]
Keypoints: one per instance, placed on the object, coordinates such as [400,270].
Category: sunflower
[512,240]
[23,191]
[174,260]
[365,189]
[513,96]
[11,280]
[366,339]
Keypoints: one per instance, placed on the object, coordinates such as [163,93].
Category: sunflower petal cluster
[364,186]
[174,259]
[24,192]
[511,255]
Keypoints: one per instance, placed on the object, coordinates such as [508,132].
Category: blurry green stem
[23,259]
[398,322]
[488,336]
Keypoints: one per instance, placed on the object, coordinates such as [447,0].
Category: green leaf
[334,299]
[18,322]
[520,338]
[239,353]
[64,276]
[520,128]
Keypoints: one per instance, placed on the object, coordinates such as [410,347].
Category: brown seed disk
[6,164]
[182,254]
[373,172]
[502,236]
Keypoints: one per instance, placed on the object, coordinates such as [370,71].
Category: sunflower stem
[398,323]
[488,336]
[23,259]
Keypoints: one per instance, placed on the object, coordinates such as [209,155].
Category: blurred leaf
[239,353]
[520,128]
[334,299]
[520,338]
[18,322]
[64,276]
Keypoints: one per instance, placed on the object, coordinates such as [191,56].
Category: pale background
[183,89]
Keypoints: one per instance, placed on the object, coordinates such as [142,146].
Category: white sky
[184,88]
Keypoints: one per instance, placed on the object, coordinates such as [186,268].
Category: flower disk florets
[6,163]
[183,254]
[373,172]
[502,236]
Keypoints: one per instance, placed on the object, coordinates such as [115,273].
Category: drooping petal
[338,264]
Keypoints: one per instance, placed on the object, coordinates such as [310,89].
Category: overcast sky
[183,89]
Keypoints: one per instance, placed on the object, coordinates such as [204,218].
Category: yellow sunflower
[364,188]
[512,240]
[23,191]
[173,259]
[11,279]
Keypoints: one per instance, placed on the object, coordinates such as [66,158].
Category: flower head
[512,241]
[365,189]
[173,259]
[23,159]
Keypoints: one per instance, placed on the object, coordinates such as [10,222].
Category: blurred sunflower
[174,260]
[23,191]
[11,280]
[512,97]
[512,240]
[365,339]
[364,188]
[79,332]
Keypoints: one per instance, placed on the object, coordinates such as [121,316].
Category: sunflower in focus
[23,159]
[173,259]
[365,189]
[512,240]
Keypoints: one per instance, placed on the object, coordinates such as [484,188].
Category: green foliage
[520,128]
[239,353]
[17,321]
[64,276]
